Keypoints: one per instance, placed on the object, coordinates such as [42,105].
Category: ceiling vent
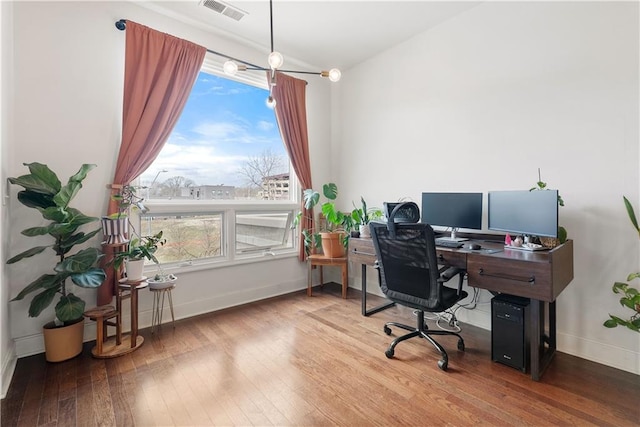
[223,8]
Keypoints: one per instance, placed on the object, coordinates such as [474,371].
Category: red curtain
[291,114]
[160,71]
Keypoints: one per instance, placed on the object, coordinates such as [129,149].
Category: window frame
[228,208]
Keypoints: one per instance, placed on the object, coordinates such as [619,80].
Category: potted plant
[115,227]
[363,216]
[43,191]
[551,242]
[631,295]
[133,257]
[333,231]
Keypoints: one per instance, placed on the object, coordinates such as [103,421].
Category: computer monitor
[530,213]
[454,210]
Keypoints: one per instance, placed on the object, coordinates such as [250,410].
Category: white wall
[485,99]
[69,62]
[7,349]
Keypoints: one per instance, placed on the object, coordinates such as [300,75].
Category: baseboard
[605,354]
[34,344]
[9,360]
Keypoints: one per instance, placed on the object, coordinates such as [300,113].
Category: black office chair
[410,276]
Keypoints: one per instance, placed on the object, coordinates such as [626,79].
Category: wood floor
[294,360]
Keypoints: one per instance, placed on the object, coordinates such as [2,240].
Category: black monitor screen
[533,213]
[455,210]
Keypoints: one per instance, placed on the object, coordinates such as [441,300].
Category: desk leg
[134,316]
[374,310]
[543,347]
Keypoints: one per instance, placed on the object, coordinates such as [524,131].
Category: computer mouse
[474,246]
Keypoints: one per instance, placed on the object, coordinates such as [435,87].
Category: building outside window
[220,190]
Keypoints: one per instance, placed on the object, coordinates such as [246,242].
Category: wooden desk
[540,276]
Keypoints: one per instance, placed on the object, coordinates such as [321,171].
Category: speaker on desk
[509,334]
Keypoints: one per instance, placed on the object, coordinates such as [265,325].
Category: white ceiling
[321,34]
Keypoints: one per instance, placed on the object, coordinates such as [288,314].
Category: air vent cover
[223,8]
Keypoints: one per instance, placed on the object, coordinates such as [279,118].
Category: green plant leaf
[632,214]
[610,323]
[28,253]
[78,238]
[67,193]
[79,262]
[632,276]
[92,278]
[40,180]
[82,172]
[46,281]
[35,200]
[330,191]
[69,308]
[41,301]
[311,198]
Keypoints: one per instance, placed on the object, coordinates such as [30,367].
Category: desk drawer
[452,258]
[522,278]
[362,251]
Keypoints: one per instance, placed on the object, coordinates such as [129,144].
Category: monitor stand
[453,237]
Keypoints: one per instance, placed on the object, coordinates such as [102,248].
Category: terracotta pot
[332,246]
[63,342]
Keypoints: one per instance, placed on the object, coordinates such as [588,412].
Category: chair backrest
[407,262]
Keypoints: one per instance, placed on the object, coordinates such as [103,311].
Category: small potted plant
[631,295]
[551,242]
[44,192]
[363,216]
[333,232]
[115,227]
[133,257]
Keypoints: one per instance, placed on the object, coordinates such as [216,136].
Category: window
[221,188]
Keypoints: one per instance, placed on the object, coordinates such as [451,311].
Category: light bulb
[230,67]
[275,60]
[334,74]
[271,102]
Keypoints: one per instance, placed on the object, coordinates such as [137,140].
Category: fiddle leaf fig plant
[44,192]
[630,295]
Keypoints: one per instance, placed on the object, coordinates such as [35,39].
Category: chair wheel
[387,330]
[389,353]
[461,345]
[443,364]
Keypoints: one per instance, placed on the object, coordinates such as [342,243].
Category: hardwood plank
[295,360]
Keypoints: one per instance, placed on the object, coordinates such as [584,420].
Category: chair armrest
[451,272]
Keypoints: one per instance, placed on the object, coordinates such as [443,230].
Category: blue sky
[222,124]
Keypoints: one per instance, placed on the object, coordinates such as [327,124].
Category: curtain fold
[291,115]
[160,71]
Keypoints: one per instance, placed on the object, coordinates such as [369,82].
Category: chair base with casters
[421,331]
[411,276]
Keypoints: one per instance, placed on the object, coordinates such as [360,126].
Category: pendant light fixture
[275,61]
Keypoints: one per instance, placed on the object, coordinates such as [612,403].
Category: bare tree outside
[172,186]
[258,168]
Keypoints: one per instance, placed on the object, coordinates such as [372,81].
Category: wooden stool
[158,305]
[321,261]
[101,315]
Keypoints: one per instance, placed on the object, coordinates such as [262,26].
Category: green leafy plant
[44,192]
[540,185]
[334,220]
[126,199]
[364,215]
[631,296]
[140,248]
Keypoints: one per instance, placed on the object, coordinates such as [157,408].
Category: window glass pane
[225,146]
[189,237]
[262,231]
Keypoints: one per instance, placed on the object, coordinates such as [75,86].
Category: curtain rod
[122,25]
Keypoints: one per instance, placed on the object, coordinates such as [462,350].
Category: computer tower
[509,332]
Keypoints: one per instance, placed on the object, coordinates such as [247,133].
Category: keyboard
[446,243]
